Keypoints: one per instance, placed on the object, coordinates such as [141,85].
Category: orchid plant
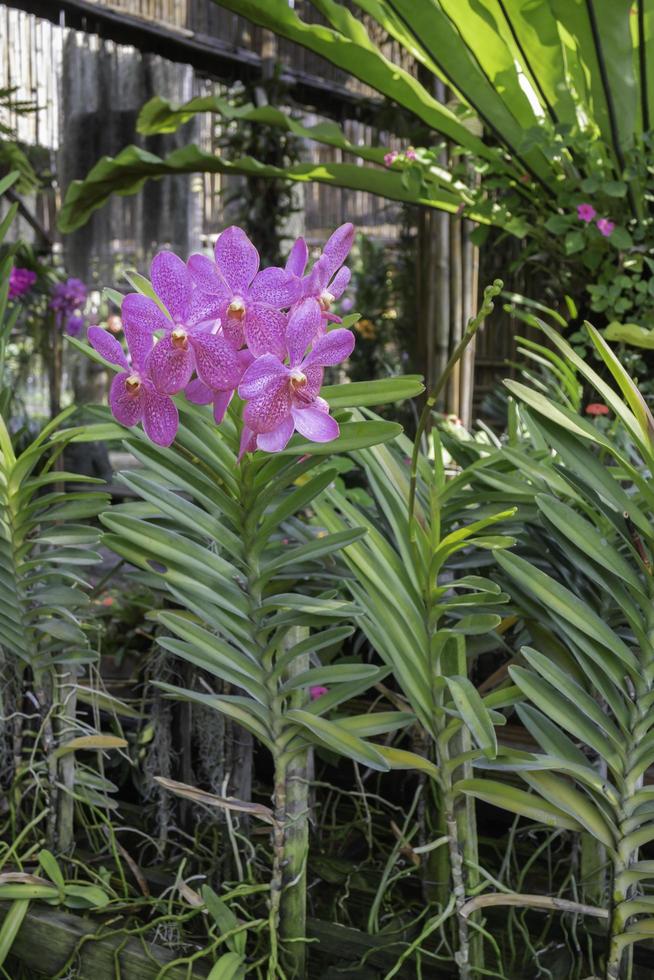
[224,368]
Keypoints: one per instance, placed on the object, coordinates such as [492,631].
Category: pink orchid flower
[410,153]
[133,397]
[605,227]
[284,397]
[586,212]
[390,158]
[317,691]
[329,278]
[190,342]
[200,393]
[249,302]
[20,281]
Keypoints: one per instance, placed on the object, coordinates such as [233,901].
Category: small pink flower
[133,397]
[605,227]
[329,278]
[586,212]
[597,408]
[317,691]
[410,153]
[20,282]
[390,158]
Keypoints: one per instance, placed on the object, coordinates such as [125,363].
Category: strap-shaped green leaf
[529,805]
[474,713]
[338,739]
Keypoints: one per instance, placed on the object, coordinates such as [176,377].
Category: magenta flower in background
[605,227]
[75,324]
[586,212]
[67,298]
[390,158]
[317,691]
[133,397]
[249,302]
[20,282]
[284,397]
[410,153]
[189,343]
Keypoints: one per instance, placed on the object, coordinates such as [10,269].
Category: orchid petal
[275,287]
[126,406]
[198,393]
[221,404]
[297,259]
[160,417]
[236,258]
[141,311]
[340,282]
[168,367]
[265,330]
[277,439]
[337,247]
[264,373]
[204,308]
[216,361]
[314,375]
[107,346]
[206,276]
[315,424]
[334,347]
[317,279]
[139,343]
[171,282]
[303,327]
[267,411]
[248,443]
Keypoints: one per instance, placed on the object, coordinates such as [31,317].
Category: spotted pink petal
[303,327]
[221,404]
[334,347]
[204,308]
[340,282]
[233,331]
[337,247]
[139,343]
[275,287]
[236,258]
[107,346]
[314,375]
[160,417]
[206,276]
[171,282]
[264,373]
[315,424]
[141,311]
[198,393]
[277,439]
[298,257]
[168,367]
[216,361]
[265,330]
[318,278]
[126,406]
[267,411]
[248,442]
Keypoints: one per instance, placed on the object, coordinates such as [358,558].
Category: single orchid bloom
[189,342]
[249,302]
[329,278]
[605,227]
[200,393]
[67,297]
[586,212]
[390,158]
[133,397]
[284,397]
[20,281]
[410,153]
[317,691]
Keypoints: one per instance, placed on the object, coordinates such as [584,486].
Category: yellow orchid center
[298,380]
[133,384]
[326,299]
[179,339]
[236,308]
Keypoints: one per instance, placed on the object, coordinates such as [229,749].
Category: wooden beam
[209,55]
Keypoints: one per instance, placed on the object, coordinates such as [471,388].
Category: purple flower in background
[75,324]
[346,304]
[317,691]
[133,397]
[586,212]
[282,398]
[190,343]
[410,153]
[390,158]
[327,281]
[605,227]
[20,282]
[67,297]
[250,302]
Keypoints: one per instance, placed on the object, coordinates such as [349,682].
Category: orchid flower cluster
[67,302]
[20,281]
[218,326]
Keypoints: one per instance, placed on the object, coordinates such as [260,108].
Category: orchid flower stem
[486,308]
